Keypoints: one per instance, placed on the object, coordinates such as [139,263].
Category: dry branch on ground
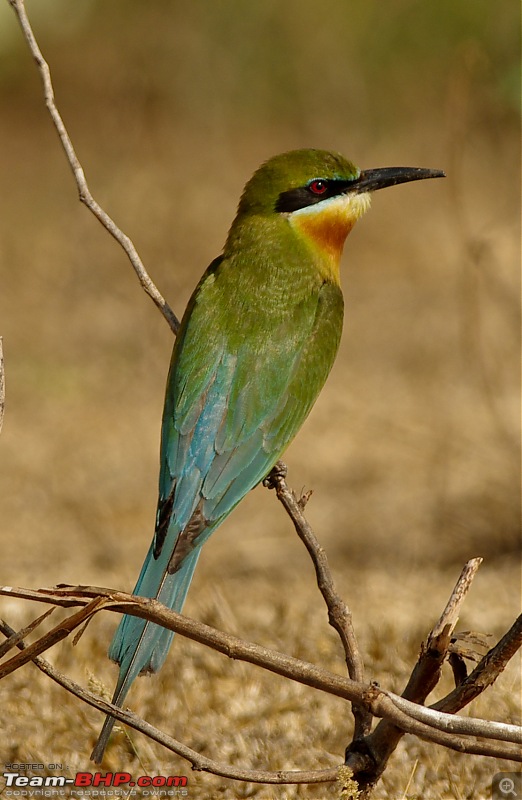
[368,753]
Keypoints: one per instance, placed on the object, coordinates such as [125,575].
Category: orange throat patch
[326,227]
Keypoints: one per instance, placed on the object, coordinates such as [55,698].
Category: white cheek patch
[359,203]
[350,206]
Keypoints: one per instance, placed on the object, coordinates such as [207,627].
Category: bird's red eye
[318,186]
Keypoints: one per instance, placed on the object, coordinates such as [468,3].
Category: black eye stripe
[302,196]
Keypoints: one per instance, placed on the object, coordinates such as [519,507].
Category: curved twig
[382,706]
[198,761]
[83,189]
[93,599]
[452,723]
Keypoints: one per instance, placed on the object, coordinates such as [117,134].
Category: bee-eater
[256,343]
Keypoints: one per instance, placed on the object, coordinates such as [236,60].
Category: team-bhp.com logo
[95,784]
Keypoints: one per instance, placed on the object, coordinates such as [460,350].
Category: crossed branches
[368,753]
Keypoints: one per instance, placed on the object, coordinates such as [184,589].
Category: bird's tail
[140,646]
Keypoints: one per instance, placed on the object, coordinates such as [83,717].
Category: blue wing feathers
[202,446]
[185,501]
[235,491]
[227,466]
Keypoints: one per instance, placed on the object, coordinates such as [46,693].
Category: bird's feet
[276,475]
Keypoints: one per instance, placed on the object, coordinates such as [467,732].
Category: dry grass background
[412,449]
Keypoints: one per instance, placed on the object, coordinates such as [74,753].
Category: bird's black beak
[372,179]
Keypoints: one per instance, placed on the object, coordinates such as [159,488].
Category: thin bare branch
[426,672]
[198,761]
[381,706]
[152,610]
[339,615]
[83,189]
[59,632]
[371,756]
[485,673]
[14,640]
[452,723]
[449,617]
[371,697]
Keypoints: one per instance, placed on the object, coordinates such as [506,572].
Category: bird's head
[321,194]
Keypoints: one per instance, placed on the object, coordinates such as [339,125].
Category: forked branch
[377,701]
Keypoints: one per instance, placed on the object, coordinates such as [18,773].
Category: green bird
[256,343]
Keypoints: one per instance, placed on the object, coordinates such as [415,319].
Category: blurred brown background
[413,448]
